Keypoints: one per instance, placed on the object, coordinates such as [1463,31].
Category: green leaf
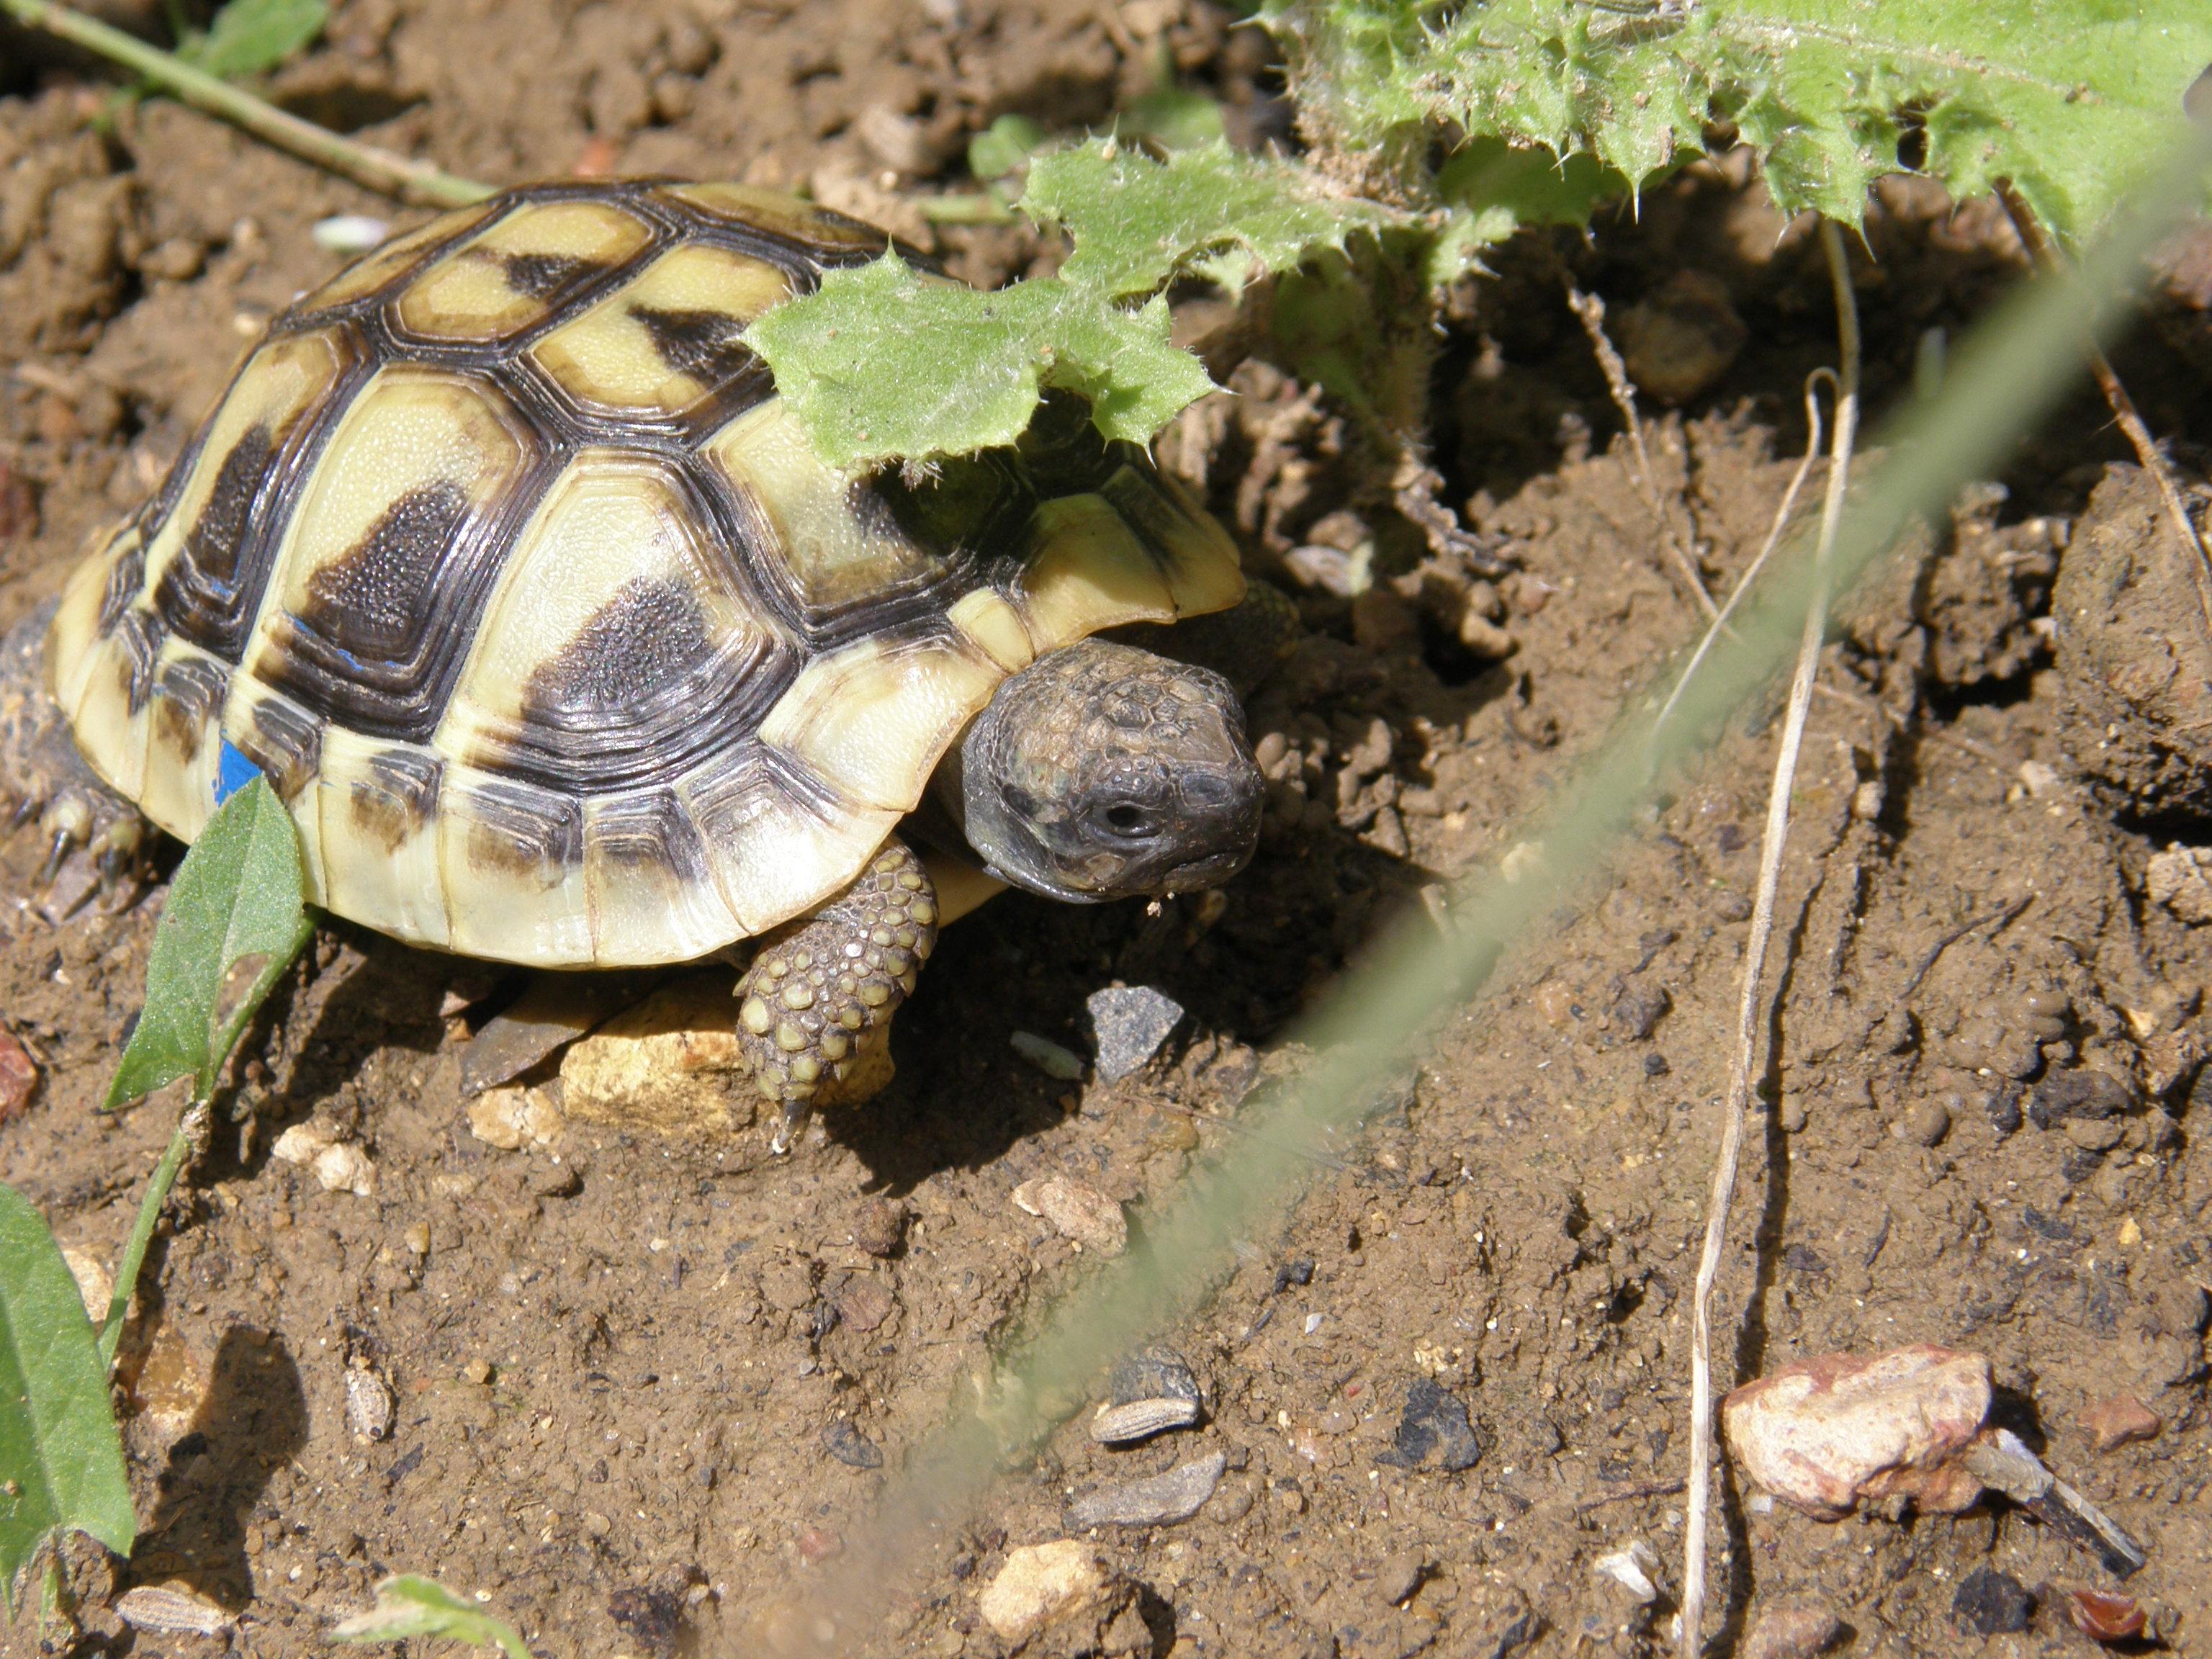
[251,36]
[1212,212]
[407,1606]
[236,916]
[1174,118]
[1003,147]
[885,362]
[61,1460]
[2071,100]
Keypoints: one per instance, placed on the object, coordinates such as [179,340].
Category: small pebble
[850,1446]
[349,233]
[1433,1428]
[879,1226]
[1400,1576]
[1130,1023]
[1149,1392]
[369,1406]
[2081,1093]
[1162,1500]
[19,1077]
[511,1117]
[2105,1615]
[417,1237]
[1634,1568]
[817,1545]
[1992,1603]
[2116,1419]
[1042,1584]
[1928,1123]
[1048,1056]
[864,1303]
[1795,1630]
[173,1611]
[95,1286]
[345,1167]
[1077,1212]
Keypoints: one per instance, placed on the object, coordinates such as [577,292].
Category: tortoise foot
[94,837]
[814,1007]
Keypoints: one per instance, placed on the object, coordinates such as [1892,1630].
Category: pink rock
[1830,1432]
[2119,1418]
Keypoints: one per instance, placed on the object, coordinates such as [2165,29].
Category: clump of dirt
[641,1387]
[2136,649]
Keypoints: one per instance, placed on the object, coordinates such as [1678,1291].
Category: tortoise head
[1101,772]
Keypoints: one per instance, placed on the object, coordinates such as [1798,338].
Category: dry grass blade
[365,164]
[1755,957]
[1813,432]
[1591,310]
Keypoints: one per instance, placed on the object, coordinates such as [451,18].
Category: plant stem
[2196,548]
[191,1127]
[1590,310]
[1751,1006]
[1719,626]
[380,170]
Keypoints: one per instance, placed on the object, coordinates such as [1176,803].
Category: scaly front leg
[821,991]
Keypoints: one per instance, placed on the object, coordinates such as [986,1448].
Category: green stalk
[379,169]
[190,1127]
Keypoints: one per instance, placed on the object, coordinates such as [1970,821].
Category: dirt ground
[643,1384]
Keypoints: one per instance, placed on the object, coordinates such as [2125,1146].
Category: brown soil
[619,1361]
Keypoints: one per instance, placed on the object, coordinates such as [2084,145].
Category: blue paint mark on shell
[233,773]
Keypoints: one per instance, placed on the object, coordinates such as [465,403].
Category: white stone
[1042,1584]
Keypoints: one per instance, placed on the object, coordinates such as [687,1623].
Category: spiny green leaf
[2071,100]
[251,36]
[61,1460]
[884,362]
[236,916]
[1212,212]
[408,1605]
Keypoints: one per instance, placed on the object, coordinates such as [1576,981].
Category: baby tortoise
[504,564]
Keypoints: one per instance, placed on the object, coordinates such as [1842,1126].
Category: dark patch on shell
[649,639]
[703,345]
[186,698]
[287,743]
[368,602]
[398,797]
[524,831]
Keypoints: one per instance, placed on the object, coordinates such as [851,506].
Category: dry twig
[2197,549]
[365,164]
[1812,429]
[1591,310]
[1762,928]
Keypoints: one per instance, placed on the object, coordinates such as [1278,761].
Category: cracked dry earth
[640,1384]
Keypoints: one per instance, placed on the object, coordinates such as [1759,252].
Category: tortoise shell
[504,564]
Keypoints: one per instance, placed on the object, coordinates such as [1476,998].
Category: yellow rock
[669,1066]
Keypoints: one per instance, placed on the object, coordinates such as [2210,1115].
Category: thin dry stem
[1813,429]
[1591,310]
[365,164]
[2196,549]
[1751,1007]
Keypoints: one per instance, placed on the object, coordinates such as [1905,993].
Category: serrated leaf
[2071,100]
[1212,212]
[251,36]
[884,363]
[238,896]
[408,1605]
[61,1460]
